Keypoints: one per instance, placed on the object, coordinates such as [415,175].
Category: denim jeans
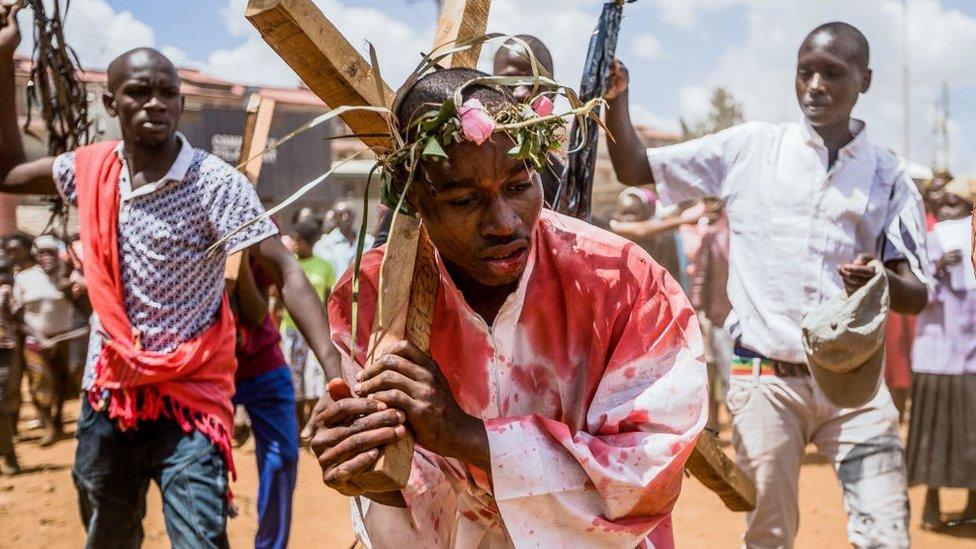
[269,399]
[113,469]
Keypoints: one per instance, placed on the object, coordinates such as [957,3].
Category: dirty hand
[9,29]
[349,435]
[856,273]
[618,80]
[407,379]
[950,258]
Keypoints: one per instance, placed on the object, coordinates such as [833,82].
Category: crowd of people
[769,268]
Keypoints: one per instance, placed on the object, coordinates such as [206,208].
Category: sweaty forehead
[839,45]
[475,166]
[141,64]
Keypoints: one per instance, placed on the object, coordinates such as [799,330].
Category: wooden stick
[462,20]
[709,464]
[328,64]
[254,138]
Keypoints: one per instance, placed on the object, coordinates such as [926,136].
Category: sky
[677,51]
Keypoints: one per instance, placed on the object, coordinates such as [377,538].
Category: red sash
[192,384]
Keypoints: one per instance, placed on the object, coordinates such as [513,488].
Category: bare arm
[17,176]
[252,304]
[627,153]
[301,301]
[908,294]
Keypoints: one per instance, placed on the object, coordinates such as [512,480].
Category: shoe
[9,466]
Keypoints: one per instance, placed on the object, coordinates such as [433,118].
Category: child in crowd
[306,373]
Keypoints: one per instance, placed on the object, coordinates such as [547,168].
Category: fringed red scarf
[194,383]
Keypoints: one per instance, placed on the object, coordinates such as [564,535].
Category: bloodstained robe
[592,387]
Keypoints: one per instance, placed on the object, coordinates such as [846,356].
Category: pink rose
[476,123]
[543,105]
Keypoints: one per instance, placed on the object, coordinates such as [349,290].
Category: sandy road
[38,508]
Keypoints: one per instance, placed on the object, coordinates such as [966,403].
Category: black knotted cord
[56,91]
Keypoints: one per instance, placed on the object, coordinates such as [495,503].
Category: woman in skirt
[942,437]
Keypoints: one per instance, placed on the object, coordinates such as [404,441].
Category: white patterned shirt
[172,289]
[793,220]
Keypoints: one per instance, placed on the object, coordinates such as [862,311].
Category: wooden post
[462,20]
[323,58]
[257,125]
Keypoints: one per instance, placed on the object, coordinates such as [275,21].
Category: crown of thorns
[534,127]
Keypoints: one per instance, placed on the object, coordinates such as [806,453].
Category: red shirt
[258,347]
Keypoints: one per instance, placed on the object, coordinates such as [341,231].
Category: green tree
[725,113]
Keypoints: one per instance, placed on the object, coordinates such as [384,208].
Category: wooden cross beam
[254,138]
[311,45]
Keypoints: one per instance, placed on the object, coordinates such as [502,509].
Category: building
[213,119]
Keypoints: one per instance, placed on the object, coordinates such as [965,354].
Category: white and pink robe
[592,387]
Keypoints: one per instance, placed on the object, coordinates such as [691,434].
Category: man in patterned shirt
[161,386]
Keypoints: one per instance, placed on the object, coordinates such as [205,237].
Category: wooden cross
[316,50]
[328,64]
[254,138]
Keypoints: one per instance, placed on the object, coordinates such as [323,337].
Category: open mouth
[507,259]
[152,125]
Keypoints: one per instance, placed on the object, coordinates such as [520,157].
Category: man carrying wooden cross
[158,403]
[564,388]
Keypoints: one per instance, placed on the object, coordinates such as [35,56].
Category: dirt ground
[38,507]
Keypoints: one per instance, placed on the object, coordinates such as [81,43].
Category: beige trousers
[774,418]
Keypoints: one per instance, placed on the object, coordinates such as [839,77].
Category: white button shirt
[793,221]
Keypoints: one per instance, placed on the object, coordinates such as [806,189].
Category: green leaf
[433,149]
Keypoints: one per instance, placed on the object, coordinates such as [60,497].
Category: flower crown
[534,128]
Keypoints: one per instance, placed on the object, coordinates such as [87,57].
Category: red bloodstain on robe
[592,386]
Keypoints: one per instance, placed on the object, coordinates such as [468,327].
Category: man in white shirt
[338,247]
[808,205]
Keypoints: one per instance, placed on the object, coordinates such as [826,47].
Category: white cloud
[179,57]
[254,62]
[643,115]
[695,102]
[97,32]
[683,14]
[646,46]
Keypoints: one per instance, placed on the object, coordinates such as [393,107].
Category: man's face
[48,260]
[147,100]
[343,216]
[936,192]
[15,251]
[829,79]
[514,62]
[483,210]
[952,207]
[630,208]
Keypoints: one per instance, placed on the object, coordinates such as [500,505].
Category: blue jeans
[112,471]
[269,399]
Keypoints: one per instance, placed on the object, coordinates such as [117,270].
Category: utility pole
[906,95]
[940,137]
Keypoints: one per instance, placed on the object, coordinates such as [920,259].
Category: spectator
[941,437]
[338,247]
[46,312]
[306,373]
[9,380]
